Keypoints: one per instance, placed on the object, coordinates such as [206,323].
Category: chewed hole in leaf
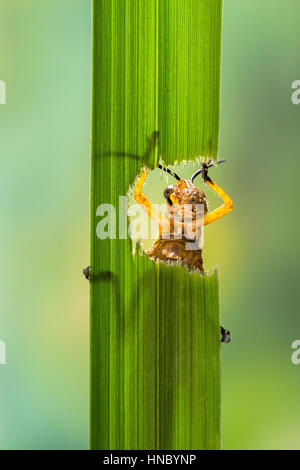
[143,230]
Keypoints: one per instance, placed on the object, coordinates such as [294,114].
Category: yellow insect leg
[141,199]
[222,210]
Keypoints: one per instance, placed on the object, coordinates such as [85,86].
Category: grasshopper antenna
[211,163]
[170,172]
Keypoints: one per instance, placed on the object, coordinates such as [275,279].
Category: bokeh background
[45,50]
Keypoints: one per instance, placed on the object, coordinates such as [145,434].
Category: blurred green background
[45,50]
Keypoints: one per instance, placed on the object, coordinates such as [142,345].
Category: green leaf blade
[155,365]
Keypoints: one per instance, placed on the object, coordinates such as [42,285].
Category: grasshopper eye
[168,191]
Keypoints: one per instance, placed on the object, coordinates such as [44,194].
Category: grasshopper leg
[227,202]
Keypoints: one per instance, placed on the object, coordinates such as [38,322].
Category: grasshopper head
[183,193]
